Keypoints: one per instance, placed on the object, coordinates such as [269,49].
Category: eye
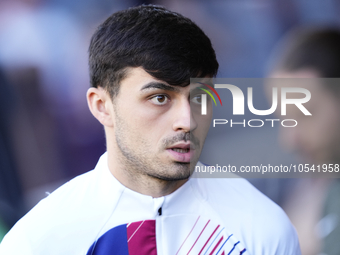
[197,99]
[160,99]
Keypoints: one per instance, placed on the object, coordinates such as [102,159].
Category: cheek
[323,128]
[204,126]
[202,123]
[151,125]
[328,130]
[135,124]
[198,118]
[151,119]
[140,115]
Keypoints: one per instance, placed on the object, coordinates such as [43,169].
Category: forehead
[323,101]
[304,78]
[301,73]
[138,80]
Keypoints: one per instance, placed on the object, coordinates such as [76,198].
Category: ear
[100,104]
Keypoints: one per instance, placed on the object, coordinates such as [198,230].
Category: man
[313,54]
[139,199]
[11,199]
[309,56]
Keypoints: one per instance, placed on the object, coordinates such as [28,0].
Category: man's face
[155,132]
[316,138]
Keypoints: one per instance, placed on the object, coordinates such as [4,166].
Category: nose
[183,120]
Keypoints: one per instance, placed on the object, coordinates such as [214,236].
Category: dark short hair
[165,44]
[316,48]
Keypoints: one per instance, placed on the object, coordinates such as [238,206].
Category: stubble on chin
[138,160]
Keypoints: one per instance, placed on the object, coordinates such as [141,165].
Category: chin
[180,171]
[173,178]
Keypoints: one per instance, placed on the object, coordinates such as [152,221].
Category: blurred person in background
[43,53]
[11,197]
[314,208]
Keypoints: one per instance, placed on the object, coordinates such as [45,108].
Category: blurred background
[48,136]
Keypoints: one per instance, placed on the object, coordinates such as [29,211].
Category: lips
[181,152]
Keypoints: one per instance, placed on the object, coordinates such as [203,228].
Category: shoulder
[68,218]
[47,218]
[260,222]
[71,192]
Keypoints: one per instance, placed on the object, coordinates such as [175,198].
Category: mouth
[181,152]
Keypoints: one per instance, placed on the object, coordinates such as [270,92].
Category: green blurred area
[3,230]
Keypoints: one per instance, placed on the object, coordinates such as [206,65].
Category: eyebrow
[198,89]
[159,85]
